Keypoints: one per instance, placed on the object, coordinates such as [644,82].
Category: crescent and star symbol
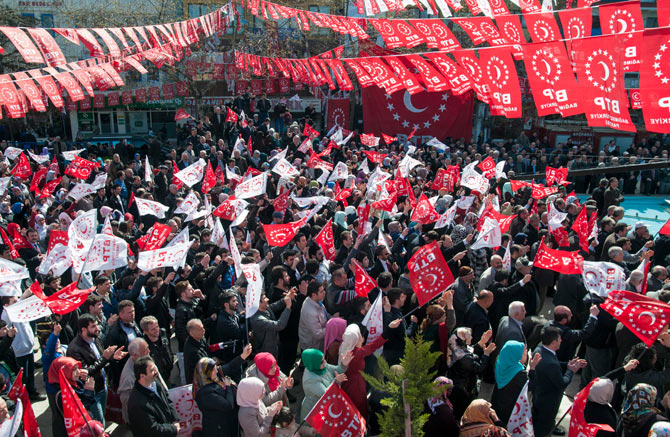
[603,58]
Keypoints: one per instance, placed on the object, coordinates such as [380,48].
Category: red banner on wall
[141,95]
[338,113]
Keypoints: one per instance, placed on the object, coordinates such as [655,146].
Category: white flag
[4,183]
[339,172]
[489,235]
[285,169]
[437,144]
[151,207]
[465,202]
[57,260]
[252,273]
[217,233]
[507,259]
[99,181]
[555,217]
[181,238]
[12,152]
[499,170]
[374,320]
[406,165]
[27,310]
[603,277]
[324,177]
[364,167]
[147,169]
[169,256]
[280,155]
[11,271]
[190,416]
[253,187]
[188,205]
[192,174]
[447,218]
[40,159]
[521,421]
[232,176]
[235,253]
[81,234]
[80,191]
[70,154]
[11,426]
[106,253]
[475,181]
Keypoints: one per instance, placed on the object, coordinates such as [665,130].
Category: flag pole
[85,260]
[88,425]
[310,411]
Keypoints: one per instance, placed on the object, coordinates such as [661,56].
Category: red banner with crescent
[338,113]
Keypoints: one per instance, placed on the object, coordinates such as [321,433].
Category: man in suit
[511,326]
[463,292]
[86,348]
[489,275]
[218,122]
[384,263]
[121,334]
[476,317]
[550,382]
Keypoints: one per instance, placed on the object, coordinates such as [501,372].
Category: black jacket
[157,306]
[151,414]
[118,337]
[185,311]
[570,338]
[477,319]
[230,328]
[504,399]
[193,351]
[219,410]
[81,351]
[599,413]
[161,352]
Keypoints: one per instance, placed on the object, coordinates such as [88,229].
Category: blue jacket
[48,356]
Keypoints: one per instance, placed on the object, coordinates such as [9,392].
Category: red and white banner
[151,207]
[155,237]
[57,261]
[561,261]
[374,319]
[542,27]
[285,169]
[252,273]
[281,234]
[326,240]
[74,412]
[335,414]
[424,212]
[169,256]
[578,425]
[106,253]
[644,316]
[429,273]
[558,175]
[363,283]
[576,23]
[599,71]
[190,417]
[81,168]
[624,18]
[654,95]
[23,44]
[521,421]
[67,299]
[338,113]
[603,277]
[252,187]
[192,174]
[22,168]
[489,234]
[80,236]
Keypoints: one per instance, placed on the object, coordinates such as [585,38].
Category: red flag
[67,299]
[281,202]
[383,75]
[471,27]
[635,98]
[488,167]
[600,76]
[230,115]
[655,79]
[363,212]
[431,78]
[561,237]
[542,27]
[81,168]
[315,162]
[344,194]
[220,176]
[473,69]
[558,175]
[576,23]
[644,316]
[498,7]
[308,131]
[429,273]
[155,238]
[560,261]
[386,204]
[74,412]
[540,191]
[665,229]
[227,210]
[424,212]
[281,234]
[22,168]
[23,44]
[624,18]
[375,157]
[551,80]
[20,240]
[503,82]
[581,227]
[436,34]
[18,390]
[578,425]
[55,237]
[338,113]
[12,250]
[663,12]
[326,241]
[181,114]
[408,79]
[209,180]
[362,281]
[444,181]
[335,414]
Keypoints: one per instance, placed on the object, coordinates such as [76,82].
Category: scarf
[509,362]
[447,384]
[312,359]
[67,364]
[249,394]
[601,391]
[334,329]
[638,405]
[457,350]
[660,429]
[350,340]
[477,412]
[264,362]
[201,376]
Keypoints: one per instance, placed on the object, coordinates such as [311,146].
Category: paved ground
[43,413]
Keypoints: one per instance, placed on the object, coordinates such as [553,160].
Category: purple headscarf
[334,330]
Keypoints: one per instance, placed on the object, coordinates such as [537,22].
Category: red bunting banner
[542,27]
[654,93]
[624,18]
[503,82]
[576,23]
[23,44]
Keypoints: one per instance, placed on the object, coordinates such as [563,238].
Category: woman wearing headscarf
[466,364]
[215,396]
[639,412]
[646,371]
[318,376]
[437,325]
[480,419]
[441,420]
[80,382]
[276,383]
[352,343]
[255,418]
[333,339]
[511,377]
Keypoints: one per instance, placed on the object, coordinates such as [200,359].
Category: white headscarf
[250,391]
[350,339]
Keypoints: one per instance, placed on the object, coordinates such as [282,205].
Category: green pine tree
[417,364]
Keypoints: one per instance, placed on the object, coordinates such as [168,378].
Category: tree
[12,61]
[417,364]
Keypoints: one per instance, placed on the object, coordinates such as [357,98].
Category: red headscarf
[264,362]
[67,364]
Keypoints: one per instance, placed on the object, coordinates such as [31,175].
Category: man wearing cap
[463,292]
[639,237]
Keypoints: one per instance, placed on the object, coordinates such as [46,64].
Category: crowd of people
[503,321]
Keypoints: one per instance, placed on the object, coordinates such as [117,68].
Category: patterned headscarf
[202,375]
[446,384]
[639,403]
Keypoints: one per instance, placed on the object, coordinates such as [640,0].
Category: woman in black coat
[511,377]
[215,396]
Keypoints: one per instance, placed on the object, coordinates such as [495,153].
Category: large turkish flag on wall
[437,114]
[338,113]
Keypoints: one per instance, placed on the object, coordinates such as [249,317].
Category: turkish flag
[22,168]
[503,82]
[335,414]
[624,18]
[67,299]
[560,261]
[74,412]
[338,113]
[655,80]
[429,274]
[155,238]
[600,76]
[551,79]
[432,114]
[209,180]
[644,316]
[18,391]
[81,168]
[424,212]
[578,424]
[576,23]
[326,241]
[581,227]
[281,234]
